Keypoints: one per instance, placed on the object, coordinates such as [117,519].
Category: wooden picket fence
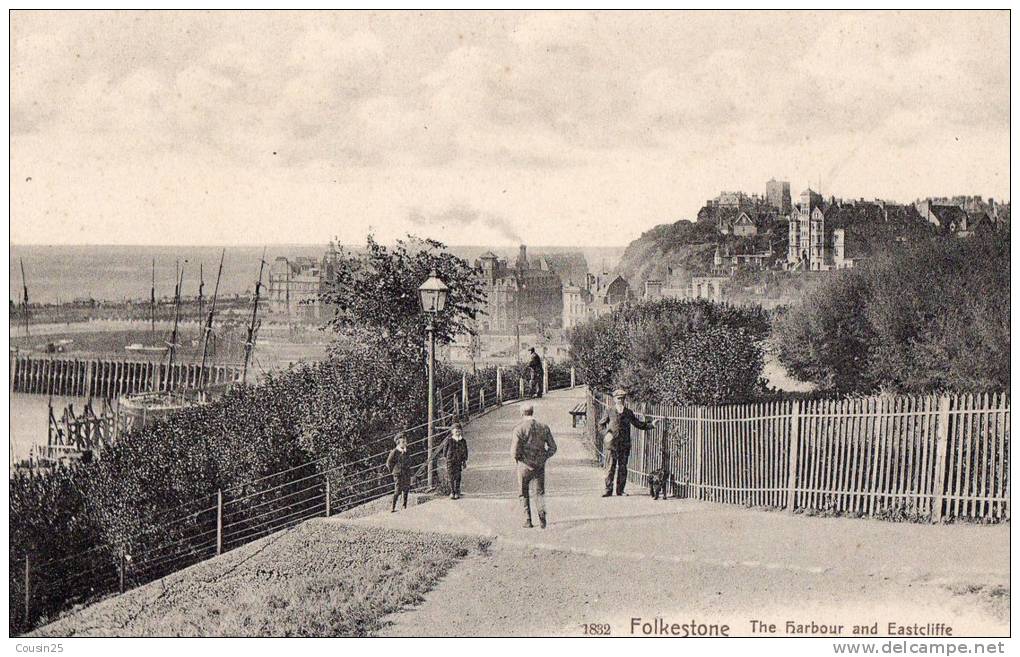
[932,458]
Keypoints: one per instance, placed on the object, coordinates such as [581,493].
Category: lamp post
[432,294]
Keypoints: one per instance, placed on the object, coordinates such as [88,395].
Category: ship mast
[172,345]
[152,300]
[201,289]
[249,345]
[24,297]
[209,321]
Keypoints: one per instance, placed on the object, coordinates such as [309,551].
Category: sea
[59,274]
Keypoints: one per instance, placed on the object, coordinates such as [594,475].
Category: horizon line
[308,244]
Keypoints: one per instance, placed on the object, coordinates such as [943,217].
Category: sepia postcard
[573,323]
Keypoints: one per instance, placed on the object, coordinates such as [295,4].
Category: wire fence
[204,527]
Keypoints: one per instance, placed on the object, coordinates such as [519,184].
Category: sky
[499,128]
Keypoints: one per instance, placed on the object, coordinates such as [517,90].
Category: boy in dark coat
[399,465]
[456,454]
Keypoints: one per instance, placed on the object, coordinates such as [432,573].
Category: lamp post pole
[433,298]
[431,330]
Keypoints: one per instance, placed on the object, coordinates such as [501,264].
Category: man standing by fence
[532,446]
[535,371]
[618,421]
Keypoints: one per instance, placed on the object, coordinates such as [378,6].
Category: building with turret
[817,238]
[777,195]
[524,292]
[297,283]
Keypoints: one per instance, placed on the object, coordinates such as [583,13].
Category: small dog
[658,482]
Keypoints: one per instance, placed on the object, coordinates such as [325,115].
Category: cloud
[592,117]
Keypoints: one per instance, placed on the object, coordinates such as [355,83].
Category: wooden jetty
[103,378]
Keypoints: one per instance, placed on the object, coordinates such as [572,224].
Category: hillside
[682,245]
[688,248]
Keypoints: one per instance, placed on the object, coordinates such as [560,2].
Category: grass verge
[322,578]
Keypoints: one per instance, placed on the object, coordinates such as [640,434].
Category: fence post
[791,475]
[328,507]
[940,458]
[573,377]
[520,381]
[499,385]
[545,380]
[219,521]
[699,434]
[481,399]
[28,590]
[121,567]
[464,394]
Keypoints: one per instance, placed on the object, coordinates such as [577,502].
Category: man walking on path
[456,453]
[535,378]
[532,446]
[618,421]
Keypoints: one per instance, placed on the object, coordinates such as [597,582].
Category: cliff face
[685,246]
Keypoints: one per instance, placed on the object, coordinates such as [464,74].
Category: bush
[715,365]
[828,339]
[629,346]
[923,317]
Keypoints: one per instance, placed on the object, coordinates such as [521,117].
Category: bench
[578,413]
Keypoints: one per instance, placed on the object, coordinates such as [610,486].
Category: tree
[828,340]
[375,294]
[922,316]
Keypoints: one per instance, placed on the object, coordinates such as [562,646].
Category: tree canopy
[924,316]
[375,293]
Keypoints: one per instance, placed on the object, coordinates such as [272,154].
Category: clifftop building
[960,215]
[777,195]
[813,245]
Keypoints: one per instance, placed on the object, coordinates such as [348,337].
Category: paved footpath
[607,560]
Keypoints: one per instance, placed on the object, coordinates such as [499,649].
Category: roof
[948,215]
[488,255]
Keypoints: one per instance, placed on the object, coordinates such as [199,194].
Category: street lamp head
[433,294]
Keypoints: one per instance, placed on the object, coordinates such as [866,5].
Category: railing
[473,395]
[208,526]
[903,457]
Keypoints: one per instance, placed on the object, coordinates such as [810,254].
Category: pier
[110,378]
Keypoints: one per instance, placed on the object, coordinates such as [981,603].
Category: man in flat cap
[532,446]
[617,422]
